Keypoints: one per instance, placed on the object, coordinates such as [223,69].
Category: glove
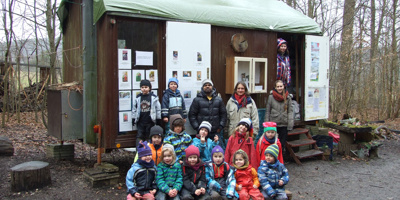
[133,122]
[159,122]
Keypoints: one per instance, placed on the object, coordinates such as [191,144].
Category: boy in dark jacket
[194,176]
[172,102]
[141,178]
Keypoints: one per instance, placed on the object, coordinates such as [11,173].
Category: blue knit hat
[143,149]
[173,79]
[273,150]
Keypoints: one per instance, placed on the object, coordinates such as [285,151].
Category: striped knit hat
[268,126]
[280,41]
[273,150]
[248,124]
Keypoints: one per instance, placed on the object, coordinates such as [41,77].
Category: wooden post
[30,175]
[6,147]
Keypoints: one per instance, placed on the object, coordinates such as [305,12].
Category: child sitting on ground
[246,177]
[156,138]
[242,139]
[169,175]
[177,137]
[194,178]
[221,181]
[205,144]
[269,137]
[172,102]
[141,177]
[273,175]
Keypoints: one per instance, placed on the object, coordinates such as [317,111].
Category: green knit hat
[268,126]
[273,150]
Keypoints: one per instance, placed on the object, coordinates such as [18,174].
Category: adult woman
[283,63]
[279,109]
[240,106]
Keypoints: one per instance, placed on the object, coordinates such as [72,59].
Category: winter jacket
[194,179]
[235,114]
[156,154]
[139,179]
[275,112]
[246,177]
[247,146]
[169,177]
[260,149]
[213,111]
[173,103]
[269,176]
[228,176]
[180,141]
[205,149]
[155,110]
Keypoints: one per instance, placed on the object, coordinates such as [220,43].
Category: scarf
[271,141]
[196,166]
[279,97]
[242,100]
[146,164]
[242,167]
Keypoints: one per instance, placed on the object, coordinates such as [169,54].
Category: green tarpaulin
[269,15]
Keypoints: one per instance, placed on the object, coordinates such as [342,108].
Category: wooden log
[6,147]
[30,175]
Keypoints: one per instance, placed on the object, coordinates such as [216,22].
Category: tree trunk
[6,147]
[30,175]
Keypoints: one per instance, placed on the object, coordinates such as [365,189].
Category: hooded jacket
[235,114]
[140,179]
[263,144]
[275,112]
[228,176]
[269,176]
[155,108]
[173,103]
[180,141]
[206,148]
[247,146]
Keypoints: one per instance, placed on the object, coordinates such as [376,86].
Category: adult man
[208,106]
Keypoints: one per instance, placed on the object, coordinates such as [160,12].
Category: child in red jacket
[269,137]
[242,139]
[246,177]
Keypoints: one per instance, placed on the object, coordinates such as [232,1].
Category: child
[177,137]
[156,136]
[169,175]
[194,178]
[269,137]
[273,175]
[221,181]
[141,178]
[246,177]
[146,111]
[172,102]
[242,139]
[205,144]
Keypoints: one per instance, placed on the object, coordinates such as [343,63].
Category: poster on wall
[124,59]
[124,79]
[144,58]
[152,76]
[125,121]
[137,76]
[125,100]
[314,61]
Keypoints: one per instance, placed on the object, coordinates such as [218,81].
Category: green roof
[271,15]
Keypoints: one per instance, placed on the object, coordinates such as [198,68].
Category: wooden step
[302,142]
[298,131]
[308,153]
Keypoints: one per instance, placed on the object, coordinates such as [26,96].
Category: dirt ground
[342,178]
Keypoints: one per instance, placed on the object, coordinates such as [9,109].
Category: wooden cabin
[193,40]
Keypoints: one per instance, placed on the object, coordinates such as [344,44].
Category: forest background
[364,55]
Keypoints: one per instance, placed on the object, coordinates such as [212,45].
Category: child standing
[156,136]
[169,175]
[146,111]
[177,137]
[205,144]
[246,177]
[172,102]
[273,175]
[221,181]
[242,139]
[141,177]
[194,178]
[269,137]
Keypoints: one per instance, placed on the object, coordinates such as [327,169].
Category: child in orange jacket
[269,137]
[246,177]
[156,144]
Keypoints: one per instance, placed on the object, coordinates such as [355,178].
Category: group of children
[175,166]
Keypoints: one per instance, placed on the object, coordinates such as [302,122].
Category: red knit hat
[192,150]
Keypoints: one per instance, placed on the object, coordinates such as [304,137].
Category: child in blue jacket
[273,175]
[205,144]
[172,102]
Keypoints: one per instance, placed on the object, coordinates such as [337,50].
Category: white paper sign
[124,59]
[125,100]
[152,76]
[137,75]
[144,58]
[125,79]
[125,121]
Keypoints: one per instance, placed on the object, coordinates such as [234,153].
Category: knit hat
[280,41]
[217,149]
[145,82]
[207,81]
[173,118]
[168,146]
[269,126]
[173,79]
[205,124]
[273,150]
[249,125]
[156,130]
[192,150]
[143,149]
